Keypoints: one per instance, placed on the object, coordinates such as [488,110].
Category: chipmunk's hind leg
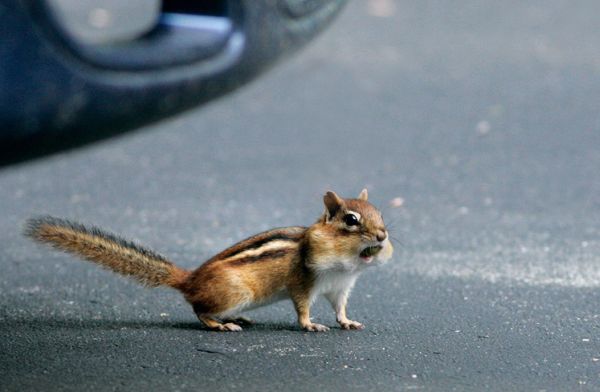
[217,295]
[208,318]
[216,325]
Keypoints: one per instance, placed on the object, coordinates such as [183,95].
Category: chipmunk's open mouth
[370,251]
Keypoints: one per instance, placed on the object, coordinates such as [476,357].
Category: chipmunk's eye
[351,220]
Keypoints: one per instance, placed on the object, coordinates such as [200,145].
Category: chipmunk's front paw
[314,327]
[349,324]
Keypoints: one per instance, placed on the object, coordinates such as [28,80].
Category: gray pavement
[483,117]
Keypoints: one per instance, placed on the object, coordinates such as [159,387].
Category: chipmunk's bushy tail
[107,250]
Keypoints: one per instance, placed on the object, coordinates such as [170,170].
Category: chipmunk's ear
[364,195]
[333,203]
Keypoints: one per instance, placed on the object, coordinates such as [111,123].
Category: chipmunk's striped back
[260,247]
[107,250]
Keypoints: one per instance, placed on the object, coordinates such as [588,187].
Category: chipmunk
[298,263]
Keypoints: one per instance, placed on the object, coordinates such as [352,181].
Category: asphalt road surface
[476,128]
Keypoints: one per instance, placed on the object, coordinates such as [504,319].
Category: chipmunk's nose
[381,235]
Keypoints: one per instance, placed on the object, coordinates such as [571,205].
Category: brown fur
[234,278]
[107,250]
[285,261]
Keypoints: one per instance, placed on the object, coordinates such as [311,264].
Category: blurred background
[475,127]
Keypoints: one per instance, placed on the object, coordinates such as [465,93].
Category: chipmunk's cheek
[387,251]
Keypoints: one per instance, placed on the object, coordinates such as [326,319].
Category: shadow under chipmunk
[47,323]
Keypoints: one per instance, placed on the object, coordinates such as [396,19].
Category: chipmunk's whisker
[397,241]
